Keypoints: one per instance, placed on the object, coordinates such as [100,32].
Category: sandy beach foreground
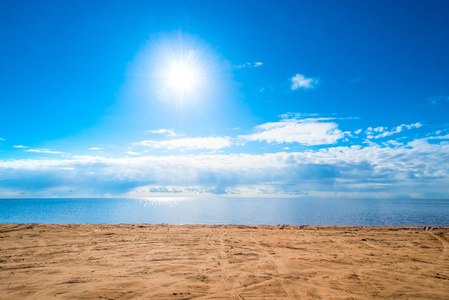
[222,262]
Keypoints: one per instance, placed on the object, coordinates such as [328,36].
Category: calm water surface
[219,210]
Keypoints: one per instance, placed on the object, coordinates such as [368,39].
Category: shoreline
[164,261]
[290,226]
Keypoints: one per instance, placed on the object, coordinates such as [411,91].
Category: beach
[133,261]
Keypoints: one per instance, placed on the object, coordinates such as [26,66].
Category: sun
[184,71]
[182,77]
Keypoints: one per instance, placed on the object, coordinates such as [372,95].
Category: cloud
[415,169]
[388,168]
[295,115]
[45,150]
[299,81]
[394,143]
[438,99]
[382,131]
[1,139]
[356,79]
[94,148]
[20,146]
[249,65]
[307,132]
[439,137]
[166,132]
[133,153]
[206,143]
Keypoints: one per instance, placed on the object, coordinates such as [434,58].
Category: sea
[228,210]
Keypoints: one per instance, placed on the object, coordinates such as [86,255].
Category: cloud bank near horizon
[418,168]
[306,155]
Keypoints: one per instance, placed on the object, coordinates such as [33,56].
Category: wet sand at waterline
[39,261]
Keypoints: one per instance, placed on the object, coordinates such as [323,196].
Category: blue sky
[297,98]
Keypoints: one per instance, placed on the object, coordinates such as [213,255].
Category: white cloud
[379,129]
[295,115]
[166,132]
[20,146]
[94,148]
[45,150]
[207,143]
[307,132]
[394,143]
[418,169]
[249,65]
[133,153]
[439,137]
[1,139]
[384,133]
[299,81]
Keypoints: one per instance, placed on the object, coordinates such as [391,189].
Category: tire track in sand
[440,236]
[280,269]
[388,292]
[224,263]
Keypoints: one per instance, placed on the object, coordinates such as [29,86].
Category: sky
[316,99]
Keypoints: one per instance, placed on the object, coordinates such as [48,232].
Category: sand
[222,262]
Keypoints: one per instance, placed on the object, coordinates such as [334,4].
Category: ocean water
[221,210]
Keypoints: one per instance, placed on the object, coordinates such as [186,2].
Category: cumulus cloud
[166,132]
[300,81]
[94,148]
[381,132]
[418,169]
[312,131]
[206,143]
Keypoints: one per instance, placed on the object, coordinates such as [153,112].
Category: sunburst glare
[182,77]
[184,70]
